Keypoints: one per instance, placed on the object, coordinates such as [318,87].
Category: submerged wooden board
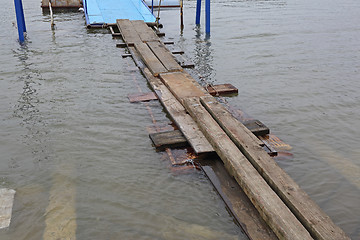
[256,127]
[236,200]
[170,139]
[6,205]
[221,89]
[142,97]
[177,112]
[127,32]
[146,34]
[182,85]
[280,219]
[165,56]
[150,60]
[306,210]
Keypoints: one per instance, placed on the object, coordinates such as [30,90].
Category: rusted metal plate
[142,97]
[221,89]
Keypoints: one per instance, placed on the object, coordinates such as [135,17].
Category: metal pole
[207,16]
[20,19]
[181,15]
[198,11]
[152,6]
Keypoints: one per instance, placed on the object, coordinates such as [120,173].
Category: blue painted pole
[198,11]
[207,16]
[152,6]
[20,19]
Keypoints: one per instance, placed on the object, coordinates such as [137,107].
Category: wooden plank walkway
[286,208]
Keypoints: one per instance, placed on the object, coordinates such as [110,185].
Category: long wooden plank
[150,60]
[165,56]
[306,210]
[280,219]
[178,114]
[182,85]
[236,200]
[145,32]
[6,205]
[127,32]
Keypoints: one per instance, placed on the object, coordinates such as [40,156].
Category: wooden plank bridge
[283,209]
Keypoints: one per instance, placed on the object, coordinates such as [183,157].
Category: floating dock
[101,12]
[209,127]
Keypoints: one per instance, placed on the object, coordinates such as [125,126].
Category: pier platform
[280,208]
[101,12]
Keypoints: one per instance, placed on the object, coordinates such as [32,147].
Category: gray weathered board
[272,209]
[306,210]
[169,139]
[6,205]
[165,56]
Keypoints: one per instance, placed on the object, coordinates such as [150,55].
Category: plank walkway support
[280,219]
[20,19]
[306,210]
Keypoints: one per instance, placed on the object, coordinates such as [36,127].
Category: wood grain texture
[182,85]
[150,60]
[165,56]
[177,112]
[145,32]
[306,210]
[280,219]
[127,32]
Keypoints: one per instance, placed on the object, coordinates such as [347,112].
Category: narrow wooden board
[142,97]
[177,112]
[170,139]
[236,200]
[280,219]
[145,32]
[182,85]
[150,60]
[306,210]
[165,56]
[127,31]
[6,205]
[184,62]
[221,89]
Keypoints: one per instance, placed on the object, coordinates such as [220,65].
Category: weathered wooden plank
[236,200]
[256,127]
[150,60]
[145,32]
[306,210]
[221,89]
[177,112]
[182,85]
[142,97]
[6,205]
[184,62]
[127,32]
[165,56]
[170,139]
[280,219]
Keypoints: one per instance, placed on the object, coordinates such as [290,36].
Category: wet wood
[182,85]
[280,219]
[142,97]
[221,89]
[127,32]
[184,62]
[236,200]
[145,32]
[275,142]
[121,45]
[170,139]
[306,210]
[6,205]
[165,56]
[256,127]
[177,112]
[150,60]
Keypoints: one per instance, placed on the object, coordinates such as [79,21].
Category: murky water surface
[74,148]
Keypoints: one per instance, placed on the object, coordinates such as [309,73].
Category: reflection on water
[78,153]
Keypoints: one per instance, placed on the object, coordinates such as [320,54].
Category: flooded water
[78,153]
